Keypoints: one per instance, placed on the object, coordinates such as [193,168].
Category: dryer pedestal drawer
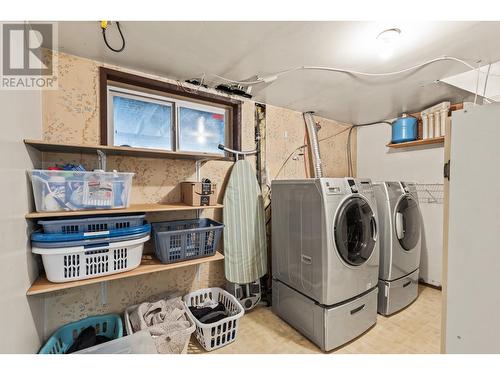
[328,328]
[396,295]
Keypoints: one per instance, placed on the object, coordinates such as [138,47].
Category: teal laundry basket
[109,325]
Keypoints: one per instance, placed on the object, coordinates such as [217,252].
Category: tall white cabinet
[471,294]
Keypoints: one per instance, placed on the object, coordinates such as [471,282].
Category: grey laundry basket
[180,240]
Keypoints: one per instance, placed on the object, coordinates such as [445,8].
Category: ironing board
[245,257]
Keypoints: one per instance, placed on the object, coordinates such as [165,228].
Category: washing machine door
[355,231]
[407,222]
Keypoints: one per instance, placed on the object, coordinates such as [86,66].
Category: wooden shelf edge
[420,142]
[134,208]
[42,285]
[45,146]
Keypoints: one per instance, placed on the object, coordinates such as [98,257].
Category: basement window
[144,113]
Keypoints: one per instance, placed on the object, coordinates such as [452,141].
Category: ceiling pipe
[312,134]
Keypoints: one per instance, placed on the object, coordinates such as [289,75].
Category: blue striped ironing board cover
[245,258]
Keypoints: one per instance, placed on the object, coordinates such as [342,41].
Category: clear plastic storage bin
[76,190]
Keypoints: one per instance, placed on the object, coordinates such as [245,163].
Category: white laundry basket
[215,335]
[84,262]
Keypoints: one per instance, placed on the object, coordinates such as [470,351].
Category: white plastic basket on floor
[215,335]
[82,262]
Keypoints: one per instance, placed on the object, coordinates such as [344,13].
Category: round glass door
[355,231]
[407,222]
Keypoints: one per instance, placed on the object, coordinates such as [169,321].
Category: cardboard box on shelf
[198,193]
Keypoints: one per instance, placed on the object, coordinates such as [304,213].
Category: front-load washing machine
[325,257]
[400,244]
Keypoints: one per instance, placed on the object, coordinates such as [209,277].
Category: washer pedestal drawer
[327,327]
[396,295]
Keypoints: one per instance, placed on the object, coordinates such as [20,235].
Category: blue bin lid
[54,240]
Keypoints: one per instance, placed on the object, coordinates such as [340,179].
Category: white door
[472,285]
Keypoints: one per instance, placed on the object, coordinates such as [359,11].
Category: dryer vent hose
[314,144]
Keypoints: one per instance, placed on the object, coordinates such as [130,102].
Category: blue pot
[404,129]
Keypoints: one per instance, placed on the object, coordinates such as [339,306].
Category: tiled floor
[415,329]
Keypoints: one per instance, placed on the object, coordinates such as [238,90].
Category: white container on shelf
[77,190]
[444,118]
[425,126]
[431,125]
[81,262]
[437,124]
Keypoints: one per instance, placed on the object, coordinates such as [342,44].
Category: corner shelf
[121,150]
[134,208]
[42,285]
[419,142]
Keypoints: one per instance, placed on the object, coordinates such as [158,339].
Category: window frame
[110,77]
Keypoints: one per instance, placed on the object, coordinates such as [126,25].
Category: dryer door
[355,231]
[407,222]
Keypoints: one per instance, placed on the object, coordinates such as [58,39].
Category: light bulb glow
[387,41]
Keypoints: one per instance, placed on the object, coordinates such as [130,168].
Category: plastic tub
[86,262]
[53,240]
[76,190]
[108,325]
[130,331]
[138,343]
[186,239]
[404,129]
[215,335]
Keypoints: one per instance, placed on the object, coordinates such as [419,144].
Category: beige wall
[21,317]
[71,115]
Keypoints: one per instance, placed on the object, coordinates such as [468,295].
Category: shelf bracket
[101,160]
[198,164]
[104,293]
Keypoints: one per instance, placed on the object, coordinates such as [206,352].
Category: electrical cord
[350,169]
[104,26]
[274,76]
[486,81]
[293,152]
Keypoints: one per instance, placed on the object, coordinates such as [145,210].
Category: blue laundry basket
[109,325]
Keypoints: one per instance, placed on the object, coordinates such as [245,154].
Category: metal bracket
[104,293]
[101,160]
[446,170]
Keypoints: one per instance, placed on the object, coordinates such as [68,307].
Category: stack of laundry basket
[87,247]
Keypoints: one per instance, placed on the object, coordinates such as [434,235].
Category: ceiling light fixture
[387,41]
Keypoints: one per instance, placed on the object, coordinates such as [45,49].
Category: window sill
[120,150]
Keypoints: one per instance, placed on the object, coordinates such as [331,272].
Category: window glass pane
[201,131]
[139,123]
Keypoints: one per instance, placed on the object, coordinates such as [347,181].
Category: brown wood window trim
[106,75]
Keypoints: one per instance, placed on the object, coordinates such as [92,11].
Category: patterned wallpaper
[71,115]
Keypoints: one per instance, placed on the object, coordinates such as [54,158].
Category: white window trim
[173,102]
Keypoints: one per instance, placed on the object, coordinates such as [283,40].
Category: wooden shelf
[419,142]
[134,208]
[120,150]
[42,285]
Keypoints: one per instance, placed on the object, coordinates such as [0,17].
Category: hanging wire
[350,169]
[121,35]
[272,77]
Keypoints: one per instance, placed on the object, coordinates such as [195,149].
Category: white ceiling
[239,50]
